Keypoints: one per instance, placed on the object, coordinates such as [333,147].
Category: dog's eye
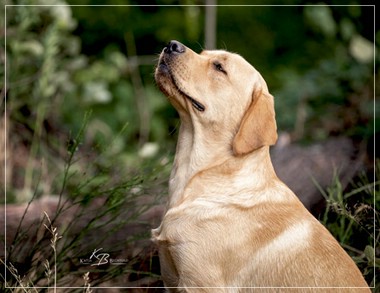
[219,67]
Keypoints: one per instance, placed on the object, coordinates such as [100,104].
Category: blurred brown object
[299,165]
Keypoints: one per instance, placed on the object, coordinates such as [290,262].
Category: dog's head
[221,93]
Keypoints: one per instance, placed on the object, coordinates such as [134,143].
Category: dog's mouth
[165,68]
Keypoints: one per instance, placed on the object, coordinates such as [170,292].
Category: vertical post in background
[210,25]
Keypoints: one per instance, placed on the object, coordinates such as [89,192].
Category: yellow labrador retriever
[231,224]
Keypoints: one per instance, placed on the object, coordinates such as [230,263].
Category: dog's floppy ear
[258,126]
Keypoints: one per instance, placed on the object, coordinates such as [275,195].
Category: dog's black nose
[174,47]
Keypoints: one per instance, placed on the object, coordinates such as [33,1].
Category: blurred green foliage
[65,61]
[307,54]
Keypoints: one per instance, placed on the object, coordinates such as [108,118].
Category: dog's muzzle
[172,50]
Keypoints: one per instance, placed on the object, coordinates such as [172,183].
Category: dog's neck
[198,156]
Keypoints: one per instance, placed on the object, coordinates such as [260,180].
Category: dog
[231,225]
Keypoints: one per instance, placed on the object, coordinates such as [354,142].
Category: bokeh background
[87,137]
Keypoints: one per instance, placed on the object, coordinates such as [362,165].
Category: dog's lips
[165,69]
[200,107]
[162,67]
